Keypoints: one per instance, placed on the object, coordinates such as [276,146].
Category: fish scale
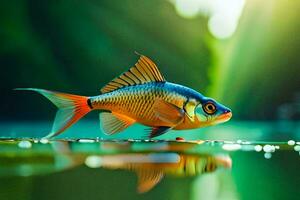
[137,101]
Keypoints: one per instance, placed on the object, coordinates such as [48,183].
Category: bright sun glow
[221,27]
[187,8]
[223,15]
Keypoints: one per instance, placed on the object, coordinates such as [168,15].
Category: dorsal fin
[144,71]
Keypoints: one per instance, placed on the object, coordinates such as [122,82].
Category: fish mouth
[224,117]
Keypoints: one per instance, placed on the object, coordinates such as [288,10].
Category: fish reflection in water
[151,161]
[152,167]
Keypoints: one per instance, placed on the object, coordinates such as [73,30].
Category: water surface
[101,168]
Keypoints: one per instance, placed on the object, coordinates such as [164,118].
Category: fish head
[210,112]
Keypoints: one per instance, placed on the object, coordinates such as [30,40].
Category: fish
[139,95]
[150,168]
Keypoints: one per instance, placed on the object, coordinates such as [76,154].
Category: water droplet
[231,147]
[297,148]
[44,141]
[86,140]
[291,142]
[24,144]
[35,141]
[258,148]
[269,148]
[268,155]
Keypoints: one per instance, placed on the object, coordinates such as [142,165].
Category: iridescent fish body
[139,95]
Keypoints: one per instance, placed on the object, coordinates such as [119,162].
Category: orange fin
[168,112]
[112,123]
[148,178]
[70,108]
[145,70]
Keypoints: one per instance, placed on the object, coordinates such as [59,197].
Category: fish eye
[209,108]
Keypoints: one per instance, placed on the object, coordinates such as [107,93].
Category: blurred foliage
[78,46]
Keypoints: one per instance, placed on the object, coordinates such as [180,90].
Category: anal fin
[112,123]
[158,130]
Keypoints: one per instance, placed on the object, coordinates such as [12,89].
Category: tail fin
[70,108]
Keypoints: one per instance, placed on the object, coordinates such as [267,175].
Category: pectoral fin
[112,123]
[147,179]
[168,112]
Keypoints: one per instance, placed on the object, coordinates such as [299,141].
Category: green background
[79,46]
